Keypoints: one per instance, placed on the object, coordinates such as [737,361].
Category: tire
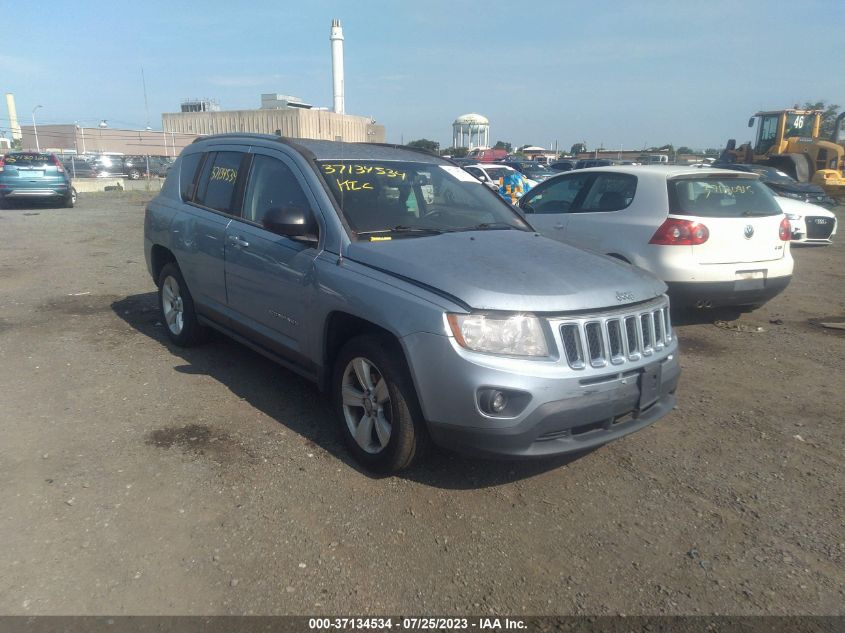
[134,174]
[70,200]
[377,406]
[176,309]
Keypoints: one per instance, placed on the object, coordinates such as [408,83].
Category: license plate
[821,220]
[750,280]
[650,385]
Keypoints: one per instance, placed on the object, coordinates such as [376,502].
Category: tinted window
[216,188]
[187,174]
[610,192]
[28,160]
[272,185]
[721,197]
[558,196]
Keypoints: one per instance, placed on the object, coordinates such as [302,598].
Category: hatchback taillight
[674,232]
[2,162]
[785,230]
[59,167]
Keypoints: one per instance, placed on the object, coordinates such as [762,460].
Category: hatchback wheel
[377,405]
[177,308]
[134,174]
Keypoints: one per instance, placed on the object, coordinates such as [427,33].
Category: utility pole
[35,129]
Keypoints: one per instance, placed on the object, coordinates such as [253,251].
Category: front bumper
[716,294]
[567,410]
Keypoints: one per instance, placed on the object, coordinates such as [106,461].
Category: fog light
[498,402]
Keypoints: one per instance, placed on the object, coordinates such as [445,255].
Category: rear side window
[720,197]
[216,188]
[188,175]
[610,192]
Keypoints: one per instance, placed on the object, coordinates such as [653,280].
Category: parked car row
[109,165]
[433,310]
[427,306]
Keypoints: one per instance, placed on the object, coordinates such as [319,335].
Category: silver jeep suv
[424,304]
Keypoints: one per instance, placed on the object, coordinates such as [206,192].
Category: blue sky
[619,74]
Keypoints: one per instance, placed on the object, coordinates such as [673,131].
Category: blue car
[35,176]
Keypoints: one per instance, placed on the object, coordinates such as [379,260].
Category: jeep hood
[509,270]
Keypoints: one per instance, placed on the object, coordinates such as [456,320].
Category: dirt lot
[138,478]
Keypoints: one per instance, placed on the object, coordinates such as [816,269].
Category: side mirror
[751,122]
[291,222]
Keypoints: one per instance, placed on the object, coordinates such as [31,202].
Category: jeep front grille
[621,336]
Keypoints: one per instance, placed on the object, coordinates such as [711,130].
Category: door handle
[237,242]
[559,226]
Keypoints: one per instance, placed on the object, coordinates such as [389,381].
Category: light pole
[35,129]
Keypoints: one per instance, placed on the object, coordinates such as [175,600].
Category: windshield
[773,175]
[498,172]
[28,160]
[721,197]
[397,198]
[536,169]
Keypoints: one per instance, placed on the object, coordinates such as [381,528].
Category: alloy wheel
[366,405]
[172,305]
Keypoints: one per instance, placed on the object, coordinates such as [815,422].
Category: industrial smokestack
[336,39]
[13,117]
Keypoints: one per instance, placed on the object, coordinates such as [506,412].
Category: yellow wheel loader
[789,140]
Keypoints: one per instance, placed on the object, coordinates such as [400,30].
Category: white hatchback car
[811,223]
[717,238]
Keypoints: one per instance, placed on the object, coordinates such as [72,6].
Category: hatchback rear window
[28,160]
[721,197]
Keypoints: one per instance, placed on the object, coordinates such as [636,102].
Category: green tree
[424,143]
[578,148]
[456,152]
[686,150]
[502,145]
[829,114]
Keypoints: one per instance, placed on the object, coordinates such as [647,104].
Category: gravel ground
[138,478]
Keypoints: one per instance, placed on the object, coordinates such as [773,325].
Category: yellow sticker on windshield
[380,238]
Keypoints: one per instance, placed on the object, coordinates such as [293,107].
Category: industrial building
[282,114]
[293,122]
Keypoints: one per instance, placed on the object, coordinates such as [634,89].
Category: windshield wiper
[401,229]
[488,226]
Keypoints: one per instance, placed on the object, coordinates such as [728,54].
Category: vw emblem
[748,232]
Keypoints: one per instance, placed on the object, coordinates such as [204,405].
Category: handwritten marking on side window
[353,185]
[226,174]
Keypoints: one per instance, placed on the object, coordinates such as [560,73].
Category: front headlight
[793,216]
[515,335]
[794,196]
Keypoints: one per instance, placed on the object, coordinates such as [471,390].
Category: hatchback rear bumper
[716,294]
[60,191]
